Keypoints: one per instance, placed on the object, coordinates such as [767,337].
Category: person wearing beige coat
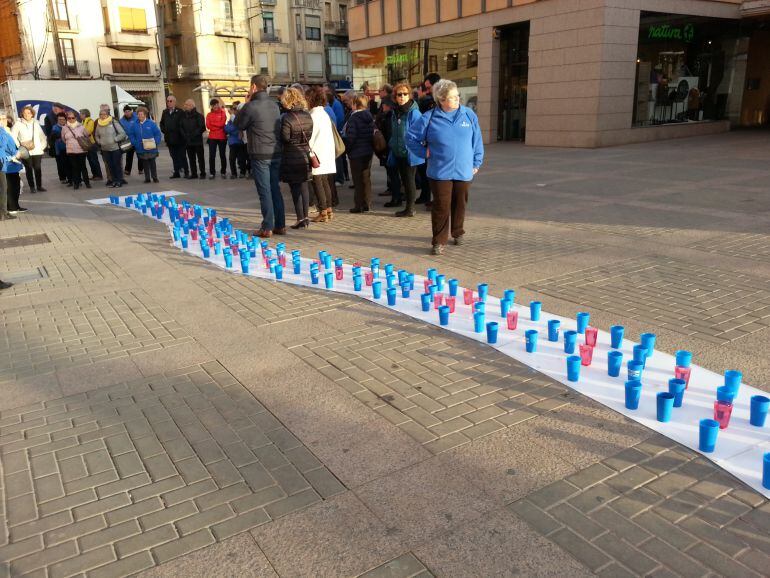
[27,131]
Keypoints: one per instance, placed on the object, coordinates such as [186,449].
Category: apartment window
[451,61]
[227,9]
[106,19]
[133,20]
[313,27]
[268,24]
[315,64]
[61,13]
[298,25]
[68,53]
[262,62]
[281,62]
[473,58]
[343,13]
[433,63]
[129,66]
[339,61]
[231,54]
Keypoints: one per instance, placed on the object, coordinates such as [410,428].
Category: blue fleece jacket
[453,140]
[8,150]
[143,130]
[339,114]
[128,126]
[233,133]
[330,111]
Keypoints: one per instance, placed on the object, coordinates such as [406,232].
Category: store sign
[312,4]
[402,58]
[668,32]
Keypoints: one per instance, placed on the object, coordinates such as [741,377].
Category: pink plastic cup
[338,273]
[450,302]
[591,334]
[513,319]
[438,301]
[683,373]
[467,296]
[586,354]
[369,277]
[722,412]
[427,284]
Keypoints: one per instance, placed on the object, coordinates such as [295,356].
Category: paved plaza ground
[161,417]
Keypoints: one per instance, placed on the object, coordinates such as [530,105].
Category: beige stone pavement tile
[498,544]
[87,377]
[28,390]
[237,557]
[338,537]
[427,499]
[167,359]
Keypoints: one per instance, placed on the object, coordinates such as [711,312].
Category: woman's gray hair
[442,88]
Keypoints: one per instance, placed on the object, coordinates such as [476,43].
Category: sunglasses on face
[402,94]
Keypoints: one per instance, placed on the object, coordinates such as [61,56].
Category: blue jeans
[265,174]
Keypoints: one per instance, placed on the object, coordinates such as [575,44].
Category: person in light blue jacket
[404,115]
[449,138]
[146,136]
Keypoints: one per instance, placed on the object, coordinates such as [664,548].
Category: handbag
[311,156]
[379,143]
[29,144]
[148,144]
[123,142]
[84,141]
[339,144]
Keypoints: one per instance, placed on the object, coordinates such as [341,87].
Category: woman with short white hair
[448,136]
[29,134]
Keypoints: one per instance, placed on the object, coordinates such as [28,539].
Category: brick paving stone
[535,517]
[182,546]
[124,567]
[583,551]
[109,535]
[146,540]
[82,563]
[625,553]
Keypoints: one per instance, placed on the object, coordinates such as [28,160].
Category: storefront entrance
[755,110]
[514,67]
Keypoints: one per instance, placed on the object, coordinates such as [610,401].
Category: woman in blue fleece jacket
[449,138]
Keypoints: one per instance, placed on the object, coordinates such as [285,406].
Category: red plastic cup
[438,301]
[467,296]
[513,319]
[427,284]
[210,241]
[449,301]
[338,273]
[282,261]
[226,241]
[586,354]
[683,373]
[722,412]
[235,249]
[591,334]
[369,278]
[194,234]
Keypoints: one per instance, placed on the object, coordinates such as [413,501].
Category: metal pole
[56,42]
[160,20]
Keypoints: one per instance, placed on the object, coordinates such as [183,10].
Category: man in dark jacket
[261,119]
[192,127]
[170,122]
[426,103]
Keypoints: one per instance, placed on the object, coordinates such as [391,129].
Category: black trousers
[361,172]
[404,187]
[34,172]
[301,198]
[423,182]
[196,153]
[93,162]
[130,162]
[10,189]
[78,168]
[238,157]
[178,158]
[215,144]
[150,169]
[63,167]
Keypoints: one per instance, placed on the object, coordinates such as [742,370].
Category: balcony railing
[80,69]
[231,27]
[335,27]
[215,71]
[270,36]
[134,41]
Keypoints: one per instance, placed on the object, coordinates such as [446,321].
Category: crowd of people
[309,138]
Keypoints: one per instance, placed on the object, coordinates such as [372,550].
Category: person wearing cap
[128,122]
[10,167]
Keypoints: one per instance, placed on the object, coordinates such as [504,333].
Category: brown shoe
[320,217]
[263,234]
[281,231]
[329,214]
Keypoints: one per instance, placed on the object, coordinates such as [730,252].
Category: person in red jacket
[215,123]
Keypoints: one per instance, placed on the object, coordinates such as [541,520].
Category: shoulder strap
[425,136]
[302,130]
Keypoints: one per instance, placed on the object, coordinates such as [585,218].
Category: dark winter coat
[359,131]
[170,126]
[261,119]
[192,127]
[296,128]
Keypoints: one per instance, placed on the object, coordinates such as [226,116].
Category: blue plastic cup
[314,276]
[573,368]
[357,270]
[635,371]
[614,363]
[327,261]
[510,294]
[425,300]
[388,269]
[766,471]
[228,260]
[483,291]
[390,281]
[440,279]
[640,354]
[357,282]
[206,250]
[217,248]
[329,280]
[648,341]
[297,267]
[176,234]
[733,379]
[683,358]
[707,435]
[432,274]
[279,271]
[505,307]
[432,291]
[185,241]
[453,284]
[616,336]
[391,292]
[534,310]
[411,281]
[478,321]
[480,306]
[725,394]
[377,289]
[405,290]
[531,340]
[492,328]
[677,387]
[760,405]
[553,329]
[570,341]
[633,393]
[245,266]
[443,315]
[582,322]
[665,403]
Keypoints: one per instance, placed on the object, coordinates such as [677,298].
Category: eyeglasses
[402,94]
[70,118]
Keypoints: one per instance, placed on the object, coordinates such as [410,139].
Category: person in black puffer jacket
[359,132]
[296,128]
[192,127]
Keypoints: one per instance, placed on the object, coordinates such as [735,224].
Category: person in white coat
[29,134]
[322,144]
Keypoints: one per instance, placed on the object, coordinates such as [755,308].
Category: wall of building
[756,99]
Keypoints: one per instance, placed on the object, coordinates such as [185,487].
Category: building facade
[113,40]
[582,73]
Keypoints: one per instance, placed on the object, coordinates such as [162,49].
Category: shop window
[451,61]
[432,63]
[133,20]
[473,58]
[130,66]
[313,27]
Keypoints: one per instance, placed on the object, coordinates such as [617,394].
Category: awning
[122,98]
